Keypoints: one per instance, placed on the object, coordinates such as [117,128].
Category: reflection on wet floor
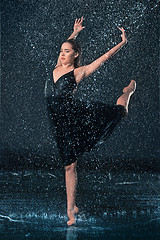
[112,206]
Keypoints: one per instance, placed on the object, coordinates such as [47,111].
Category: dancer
[80,125]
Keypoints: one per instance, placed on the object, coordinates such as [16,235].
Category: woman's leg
[71,184]
[127,92]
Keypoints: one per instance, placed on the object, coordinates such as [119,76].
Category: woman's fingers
[78,24]
[122,29]
[76,21]
[80,20]
[123,34]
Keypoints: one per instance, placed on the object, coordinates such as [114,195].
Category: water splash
[10,219]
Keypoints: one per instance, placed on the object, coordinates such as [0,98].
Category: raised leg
[127,92]
[71,184]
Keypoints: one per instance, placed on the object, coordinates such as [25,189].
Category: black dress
[79,125]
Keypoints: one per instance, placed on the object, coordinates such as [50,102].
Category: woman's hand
[77,28]
[124,38]
[78,25]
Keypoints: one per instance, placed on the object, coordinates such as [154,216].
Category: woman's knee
[124,110]
[71,167]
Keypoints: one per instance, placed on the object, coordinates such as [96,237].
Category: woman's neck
[69,66]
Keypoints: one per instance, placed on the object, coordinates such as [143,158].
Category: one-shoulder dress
[79,125]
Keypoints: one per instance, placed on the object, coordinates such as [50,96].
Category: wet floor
[112,206]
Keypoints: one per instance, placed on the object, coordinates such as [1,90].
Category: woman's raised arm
[76,30]
[89,69]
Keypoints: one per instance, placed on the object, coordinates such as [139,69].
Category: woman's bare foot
[76,209]
[130,88]
[71,216]
[127,92]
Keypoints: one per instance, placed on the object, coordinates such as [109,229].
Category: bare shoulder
[79,73]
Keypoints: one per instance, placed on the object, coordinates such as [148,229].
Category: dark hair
[77,48]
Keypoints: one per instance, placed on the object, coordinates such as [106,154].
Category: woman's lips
[62,58]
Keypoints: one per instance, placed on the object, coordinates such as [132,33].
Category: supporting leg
[71,184]
[127,92]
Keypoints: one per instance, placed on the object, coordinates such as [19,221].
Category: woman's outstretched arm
[76,30]
[89,69]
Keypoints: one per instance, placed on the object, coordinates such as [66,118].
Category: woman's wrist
[124,42]
[75,33]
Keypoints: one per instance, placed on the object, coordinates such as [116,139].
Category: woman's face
[67,54]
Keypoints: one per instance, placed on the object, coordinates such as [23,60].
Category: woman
[80,125]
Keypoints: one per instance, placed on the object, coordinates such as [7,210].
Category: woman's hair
[77,48]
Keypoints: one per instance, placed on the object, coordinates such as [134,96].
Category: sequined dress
[79,125]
